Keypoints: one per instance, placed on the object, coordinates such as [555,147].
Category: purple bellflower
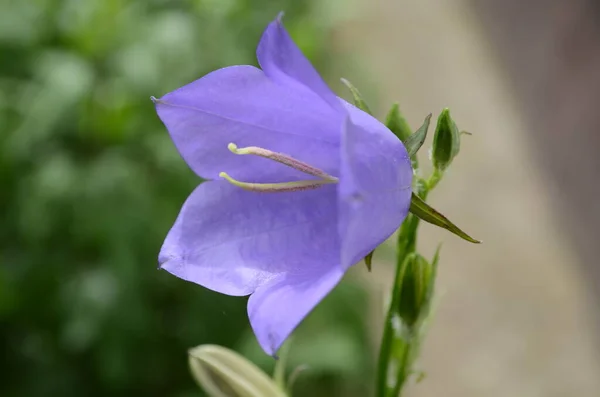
[300,185]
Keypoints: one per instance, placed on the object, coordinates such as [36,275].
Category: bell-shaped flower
[300,185]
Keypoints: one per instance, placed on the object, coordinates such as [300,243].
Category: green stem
[432,182]
[280,365]
[406,244]
[405,363]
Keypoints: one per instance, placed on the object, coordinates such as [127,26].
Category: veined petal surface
[240,104]
[375,185]
[277,307]
[284,63]
[233,241]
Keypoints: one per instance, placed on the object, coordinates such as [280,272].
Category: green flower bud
[416,278]
[446,141]
[222,372]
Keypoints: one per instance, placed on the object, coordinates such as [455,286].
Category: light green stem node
[324,178]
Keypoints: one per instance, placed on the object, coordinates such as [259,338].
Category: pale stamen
[282,159]
[294,186]
[278,187]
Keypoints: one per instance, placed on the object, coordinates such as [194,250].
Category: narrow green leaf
[414,142]
[396,123]
[359,102]
[369,260]
[422,210]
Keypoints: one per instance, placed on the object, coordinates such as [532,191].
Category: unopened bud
[416,276]
[222,372]
[446,141]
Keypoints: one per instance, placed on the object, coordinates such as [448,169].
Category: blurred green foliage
[90,185]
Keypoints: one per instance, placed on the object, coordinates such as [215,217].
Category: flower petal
[240,104]
[276,308]
[284,63]
[375,185]
[233,241]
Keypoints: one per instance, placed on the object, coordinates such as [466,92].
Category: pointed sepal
[359,102]
[426,213]
[369,260]
[414,142]
[396,123]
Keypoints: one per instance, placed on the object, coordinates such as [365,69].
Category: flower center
[324,178]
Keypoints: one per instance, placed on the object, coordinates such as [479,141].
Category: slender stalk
[280,365]
[389,382]
[406,245]
[405,363]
